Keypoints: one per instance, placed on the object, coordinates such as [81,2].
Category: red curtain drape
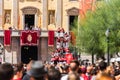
[51,38]
[7,37]
[29,37]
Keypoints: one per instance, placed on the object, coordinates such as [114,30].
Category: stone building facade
[34,14]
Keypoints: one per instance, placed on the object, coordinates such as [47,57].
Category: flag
[51,38]
[29,37]
[7,37]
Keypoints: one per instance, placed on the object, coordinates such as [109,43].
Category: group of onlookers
[38,70]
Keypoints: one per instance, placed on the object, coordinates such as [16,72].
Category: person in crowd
[117,77]
[26,26]
[110,70]
[18,72]
[37,71]
[102,66]
[6,71]
[104,76]
[73,67]
[53,74]
[117,69]
[26,76]
[73,76]
[88,72]
[94,72]
[83,73]
[65,69]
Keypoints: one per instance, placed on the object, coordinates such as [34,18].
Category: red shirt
[17,79]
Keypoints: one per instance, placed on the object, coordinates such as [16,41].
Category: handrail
[16,33]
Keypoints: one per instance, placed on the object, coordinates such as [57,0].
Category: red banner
[29,37]
[51,38]
[7,37]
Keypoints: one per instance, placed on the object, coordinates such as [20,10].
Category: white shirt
[66,77]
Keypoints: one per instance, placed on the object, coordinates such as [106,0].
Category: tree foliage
[91,34]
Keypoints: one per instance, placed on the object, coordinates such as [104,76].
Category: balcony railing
[16,33]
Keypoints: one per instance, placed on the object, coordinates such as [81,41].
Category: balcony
[16,33]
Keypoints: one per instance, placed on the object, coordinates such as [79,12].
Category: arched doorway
[30,16]
[29,53]
[73,14]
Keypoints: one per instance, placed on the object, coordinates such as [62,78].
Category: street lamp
[107,36]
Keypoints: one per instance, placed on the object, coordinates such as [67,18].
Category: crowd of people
[38,70]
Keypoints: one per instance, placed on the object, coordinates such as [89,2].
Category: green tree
[91,36]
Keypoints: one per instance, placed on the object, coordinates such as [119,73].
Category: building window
[7,16]
[51,17]
[72,19]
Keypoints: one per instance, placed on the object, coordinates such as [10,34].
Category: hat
[37,69]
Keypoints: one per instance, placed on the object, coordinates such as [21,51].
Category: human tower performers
[62,47]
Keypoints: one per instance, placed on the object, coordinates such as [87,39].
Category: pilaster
[15,12]
[1,13]
[45,15]
[36,20]
[59,13]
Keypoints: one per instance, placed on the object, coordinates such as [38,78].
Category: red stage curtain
[51,38]
[7,37]
[29,37]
